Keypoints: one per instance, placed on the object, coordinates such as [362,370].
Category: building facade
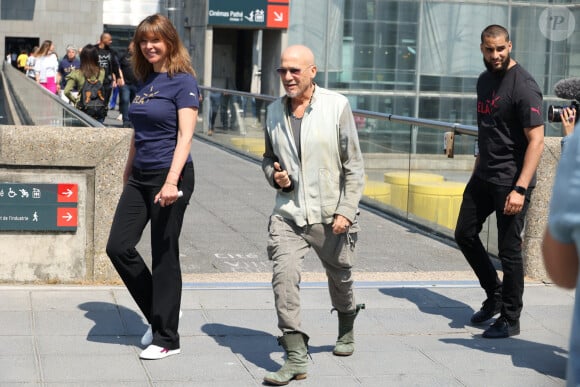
[417,58]
[421,58]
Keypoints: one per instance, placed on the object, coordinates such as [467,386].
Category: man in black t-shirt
[510,141]
[109,61]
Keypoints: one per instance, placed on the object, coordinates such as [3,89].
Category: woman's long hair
[90,61]
[44,49]
[177,57]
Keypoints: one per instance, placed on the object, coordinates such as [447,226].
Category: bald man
[313,161]
[110,62]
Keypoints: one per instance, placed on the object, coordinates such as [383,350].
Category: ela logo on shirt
[143,99]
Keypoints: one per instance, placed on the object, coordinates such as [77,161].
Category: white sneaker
[154,352]
[147,338]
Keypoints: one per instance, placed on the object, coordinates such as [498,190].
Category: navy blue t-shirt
[153,113]
[506,104]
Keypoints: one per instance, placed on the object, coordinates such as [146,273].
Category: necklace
[294,116]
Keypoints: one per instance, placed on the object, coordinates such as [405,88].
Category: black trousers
[156,292]
[480,199]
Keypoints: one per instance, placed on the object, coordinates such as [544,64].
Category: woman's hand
[167,195]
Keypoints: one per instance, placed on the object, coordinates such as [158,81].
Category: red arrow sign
[277,16]
[66,217]
[67,193]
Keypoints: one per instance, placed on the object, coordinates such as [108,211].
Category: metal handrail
[445,126]
[21,87]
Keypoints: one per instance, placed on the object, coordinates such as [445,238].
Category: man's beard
[501,70]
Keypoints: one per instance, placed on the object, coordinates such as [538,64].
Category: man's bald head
[299,53]
[105,40]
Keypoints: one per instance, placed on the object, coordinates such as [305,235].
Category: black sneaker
[489,309]
[502,328]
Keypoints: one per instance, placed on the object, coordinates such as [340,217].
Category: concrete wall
[94,158]
[64,22]
[537,217]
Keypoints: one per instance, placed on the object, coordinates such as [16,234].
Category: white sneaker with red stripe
[154,352]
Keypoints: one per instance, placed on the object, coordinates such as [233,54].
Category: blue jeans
[127,92]
[480,199]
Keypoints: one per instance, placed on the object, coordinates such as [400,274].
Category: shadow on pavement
[253,345]
[545,359]
[433,303]
[113,324]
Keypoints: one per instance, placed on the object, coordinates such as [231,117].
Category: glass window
[17,9]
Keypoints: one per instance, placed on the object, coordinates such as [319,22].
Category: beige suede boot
[345,342]
[296,346]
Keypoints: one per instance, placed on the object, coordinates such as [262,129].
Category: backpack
[92,99]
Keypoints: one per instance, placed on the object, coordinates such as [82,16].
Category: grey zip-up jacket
[329,179]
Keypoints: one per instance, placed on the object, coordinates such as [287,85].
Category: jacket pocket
[329,192]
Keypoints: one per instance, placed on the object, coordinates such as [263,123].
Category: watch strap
[519,189]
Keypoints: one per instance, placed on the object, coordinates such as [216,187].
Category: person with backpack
[89,81]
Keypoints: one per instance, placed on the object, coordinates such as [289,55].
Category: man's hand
[340,224]
[514,203]
[281,176]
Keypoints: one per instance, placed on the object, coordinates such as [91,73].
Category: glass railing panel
[435,182]
[234,120]
[40,107]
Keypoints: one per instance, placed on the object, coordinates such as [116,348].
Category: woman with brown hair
[91,71]
[159,181]
[46,66]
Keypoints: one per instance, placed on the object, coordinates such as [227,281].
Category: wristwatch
[519,189]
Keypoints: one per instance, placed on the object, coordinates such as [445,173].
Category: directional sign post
[38,207]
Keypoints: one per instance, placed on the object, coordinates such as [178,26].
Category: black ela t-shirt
[506,104]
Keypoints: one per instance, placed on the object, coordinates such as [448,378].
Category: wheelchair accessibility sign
[38,207]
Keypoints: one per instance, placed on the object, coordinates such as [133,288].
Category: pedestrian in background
[314,162]
[159,168]
[91,71]
[110,62]
[46,66]
[129,88]
[21,61]
[30,61]
[68,64]
[511,141]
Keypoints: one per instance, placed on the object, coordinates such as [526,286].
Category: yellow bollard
[399,182]
[437,202]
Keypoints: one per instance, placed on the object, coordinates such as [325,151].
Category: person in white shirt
[46,67]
